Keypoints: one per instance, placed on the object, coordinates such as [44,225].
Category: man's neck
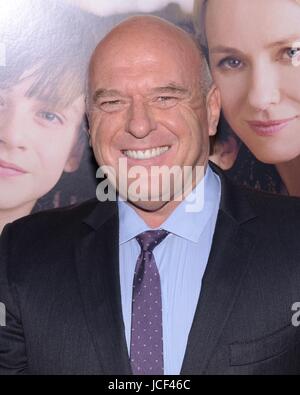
[155,214]
[155,218]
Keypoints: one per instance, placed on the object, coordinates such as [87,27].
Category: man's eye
[50,117]
[230,63]
[111,105]
[165,98]
[166,101]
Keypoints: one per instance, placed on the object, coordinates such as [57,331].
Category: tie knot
[151,238]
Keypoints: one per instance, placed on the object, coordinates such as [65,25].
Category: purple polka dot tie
[146,346]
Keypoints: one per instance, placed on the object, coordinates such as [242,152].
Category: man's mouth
[146,154]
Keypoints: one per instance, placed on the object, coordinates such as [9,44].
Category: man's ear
[88,130]
[225,153]
[213,105]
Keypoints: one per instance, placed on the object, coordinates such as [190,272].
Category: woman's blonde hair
[199,22]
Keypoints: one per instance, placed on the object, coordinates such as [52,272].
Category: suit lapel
[227,264]
[98,273]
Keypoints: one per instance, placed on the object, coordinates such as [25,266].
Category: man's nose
[264,90]
[12,130]
[140,120]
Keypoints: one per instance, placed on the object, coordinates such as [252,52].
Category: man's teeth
[148,154]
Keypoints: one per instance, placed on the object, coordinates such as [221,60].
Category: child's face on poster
[37,143]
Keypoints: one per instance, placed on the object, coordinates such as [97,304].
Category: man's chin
[148,206]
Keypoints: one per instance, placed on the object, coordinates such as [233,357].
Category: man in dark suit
[187,284]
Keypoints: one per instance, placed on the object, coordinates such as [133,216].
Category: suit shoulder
[271,201]
[45,238]
[58,217]
[274,210]
[59,225]
[262,203]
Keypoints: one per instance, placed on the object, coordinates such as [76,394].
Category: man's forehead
[146,62]
[160,69]
[161,80]
[133,57]
[143,48]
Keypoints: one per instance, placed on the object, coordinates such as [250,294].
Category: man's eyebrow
[100,93]
[170,88]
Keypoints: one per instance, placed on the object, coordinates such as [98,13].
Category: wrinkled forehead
[168,59]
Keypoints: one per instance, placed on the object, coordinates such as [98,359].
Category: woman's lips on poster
[10,170]
[269,128]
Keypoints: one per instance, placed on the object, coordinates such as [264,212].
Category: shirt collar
[189,218]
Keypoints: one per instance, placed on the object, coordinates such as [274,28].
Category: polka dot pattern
[146,346]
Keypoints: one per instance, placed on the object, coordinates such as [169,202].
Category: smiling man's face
[146,101]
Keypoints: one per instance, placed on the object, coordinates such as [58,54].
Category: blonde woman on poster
[253,48]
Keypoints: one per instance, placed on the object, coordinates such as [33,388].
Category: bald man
[162,277]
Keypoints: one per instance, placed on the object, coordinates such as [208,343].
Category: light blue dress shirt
[181,260]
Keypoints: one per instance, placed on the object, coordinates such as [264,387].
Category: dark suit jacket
[59,279]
